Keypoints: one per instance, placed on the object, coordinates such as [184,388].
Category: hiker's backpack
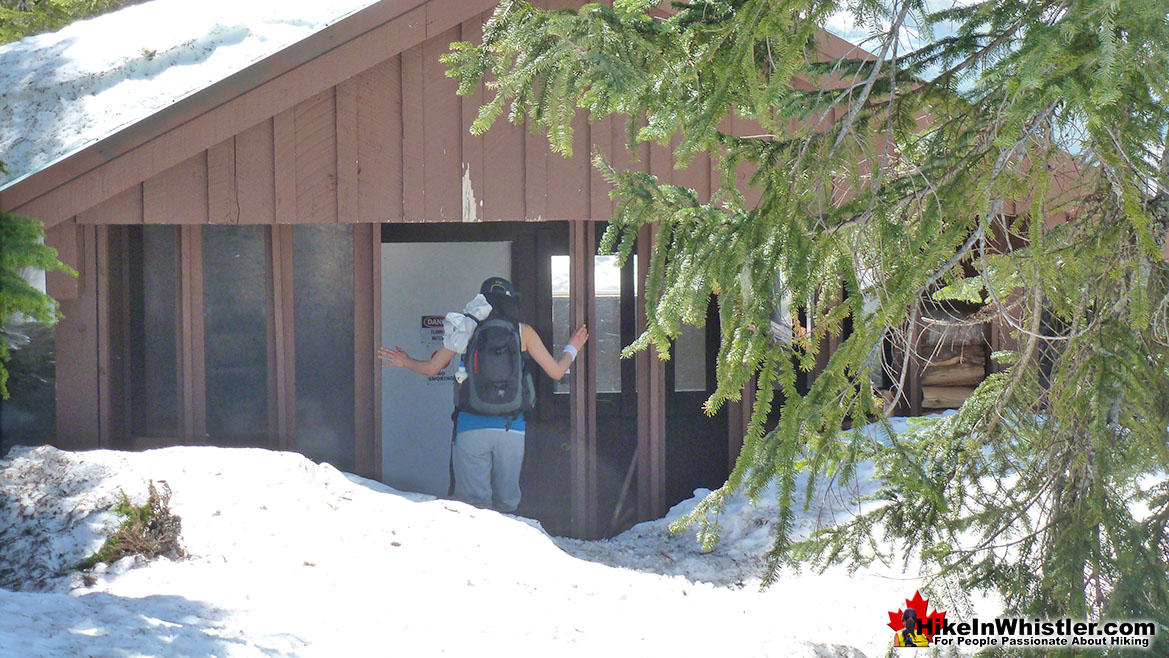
[498,381]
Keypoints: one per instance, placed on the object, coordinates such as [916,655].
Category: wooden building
[244,251]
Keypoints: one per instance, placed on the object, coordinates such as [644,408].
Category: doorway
[421,283]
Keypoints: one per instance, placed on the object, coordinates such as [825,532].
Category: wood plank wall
[387,145]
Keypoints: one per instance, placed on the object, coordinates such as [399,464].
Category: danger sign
[432,331]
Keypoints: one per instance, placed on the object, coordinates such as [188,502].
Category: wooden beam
[272,331]
[285,339]
[194,385]
[583,400]
[76,354]
[651,401]
[366,406]
[105,345]
[375,275]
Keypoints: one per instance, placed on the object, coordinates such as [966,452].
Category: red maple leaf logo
[930,624]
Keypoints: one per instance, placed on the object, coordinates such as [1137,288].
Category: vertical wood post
[367,374]
[738,420]
[193,385]
[651,401]
[285,340]
[583,400]
[75,344]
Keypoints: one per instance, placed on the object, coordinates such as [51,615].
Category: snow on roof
[63,91]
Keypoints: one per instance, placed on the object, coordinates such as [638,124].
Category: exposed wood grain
[953,375]
[944,397]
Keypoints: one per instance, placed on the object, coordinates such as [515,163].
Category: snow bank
[291,558]
[61,92]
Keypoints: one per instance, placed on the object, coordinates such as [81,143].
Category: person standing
[488,450]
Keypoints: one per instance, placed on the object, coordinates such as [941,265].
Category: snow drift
[292,558]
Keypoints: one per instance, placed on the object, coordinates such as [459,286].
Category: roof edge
[33,184]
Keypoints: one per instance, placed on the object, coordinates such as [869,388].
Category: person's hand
[395,358]
[579,337]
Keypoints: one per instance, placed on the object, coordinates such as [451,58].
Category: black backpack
[498,380]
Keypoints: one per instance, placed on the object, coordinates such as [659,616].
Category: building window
[323,306]
[605,331]
[153,306]
[29,415]
[690,359]
[235,326]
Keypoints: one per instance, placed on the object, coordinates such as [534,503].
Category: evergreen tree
[953,115]
[22,18]
[22,246]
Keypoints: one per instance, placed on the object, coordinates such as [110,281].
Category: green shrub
[149,530]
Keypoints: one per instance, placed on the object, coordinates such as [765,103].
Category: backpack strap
[454,435]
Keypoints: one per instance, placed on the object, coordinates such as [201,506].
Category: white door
[422,282]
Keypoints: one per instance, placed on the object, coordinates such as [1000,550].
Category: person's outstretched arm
[554,367]
[397,358]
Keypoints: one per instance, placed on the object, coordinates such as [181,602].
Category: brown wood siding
[442,126]
[315,158]
[413,137]
[222,196]
[473,145]
[177,195]
[255,174]
[77,355]
[125,208]
[345,99]
[379,143]
[65,239]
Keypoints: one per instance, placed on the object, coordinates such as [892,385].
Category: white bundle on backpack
[478,307]
[458,327]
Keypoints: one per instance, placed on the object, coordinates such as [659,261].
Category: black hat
[497,285]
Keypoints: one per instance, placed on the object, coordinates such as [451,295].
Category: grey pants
[487,468]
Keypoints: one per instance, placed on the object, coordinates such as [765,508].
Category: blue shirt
[471,421]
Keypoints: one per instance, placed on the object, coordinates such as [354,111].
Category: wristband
[571,351]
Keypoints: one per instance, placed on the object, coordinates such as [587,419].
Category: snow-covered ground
[291,558]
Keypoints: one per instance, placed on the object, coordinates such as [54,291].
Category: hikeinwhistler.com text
[1041,633]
